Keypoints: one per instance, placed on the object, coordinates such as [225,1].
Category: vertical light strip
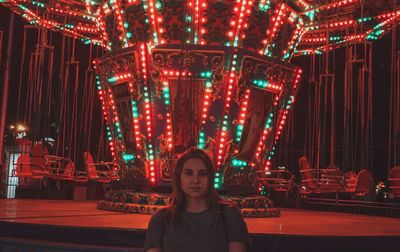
[277,20]
[242,116]
[148,116]
[156,20]
[299,31]
[88,6]
[115,121]
[101,25]
[206,104]
[241,11]
[120,24]
[167,101]
[232,78]
[103,97]
[136,126]
[196,21]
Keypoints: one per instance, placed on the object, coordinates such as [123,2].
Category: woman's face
[194,178]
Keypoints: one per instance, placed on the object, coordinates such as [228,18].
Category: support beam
[5,91]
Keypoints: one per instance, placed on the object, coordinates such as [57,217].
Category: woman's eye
[203,173]
[188,172]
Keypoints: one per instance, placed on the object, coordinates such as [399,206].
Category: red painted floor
[291,222]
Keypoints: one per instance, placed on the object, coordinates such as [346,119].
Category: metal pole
[1,44]
[5,88]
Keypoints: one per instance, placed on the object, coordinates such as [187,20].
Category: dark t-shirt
[207,231]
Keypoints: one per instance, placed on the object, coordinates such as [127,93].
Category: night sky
[290,147]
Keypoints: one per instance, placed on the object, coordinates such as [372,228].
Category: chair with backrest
[101,171]
[38,161]
[40,164]
[394,179]
[307,174]
[315,184]
[60,168]
[23,166]
[278,180]
[363,184]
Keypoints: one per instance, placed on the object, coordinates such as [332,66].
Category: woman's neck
[196,205]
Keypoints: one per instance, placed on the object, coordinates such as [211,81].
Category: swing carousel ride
[213,74]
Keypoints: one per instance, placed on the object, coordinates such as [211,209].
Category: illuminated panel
[282,116]
[267,129]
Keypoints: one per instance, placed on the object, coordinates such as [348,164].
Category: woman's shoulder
[159,216]
[231,211]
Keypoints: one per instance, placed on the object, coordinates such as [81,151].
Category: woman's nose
[196,178]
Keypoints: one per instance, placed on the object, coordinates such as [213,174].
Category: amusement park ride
[213,74]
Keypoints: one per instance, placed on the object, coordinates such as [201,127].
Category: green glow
[70,26]
[264,7]
[217,180]
[112,79]
[239,130]
[261,83]
[206,74]
[166,95]
[334,38]
[238,163]
[365,19]
[311,15]
[201,140]
[269,121]
[128,157]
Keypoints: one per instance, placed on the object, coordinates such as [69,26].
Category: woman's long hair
[178,198]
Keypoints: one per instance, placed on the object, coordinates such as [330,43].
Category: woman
[196,219]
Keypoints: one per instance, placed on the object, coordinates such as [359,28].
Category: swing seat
[60,168]
[80,177]
[23,166]
[102,172]
[278,180]
[38,163]
[394,179]
[314,184]
[363,184]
